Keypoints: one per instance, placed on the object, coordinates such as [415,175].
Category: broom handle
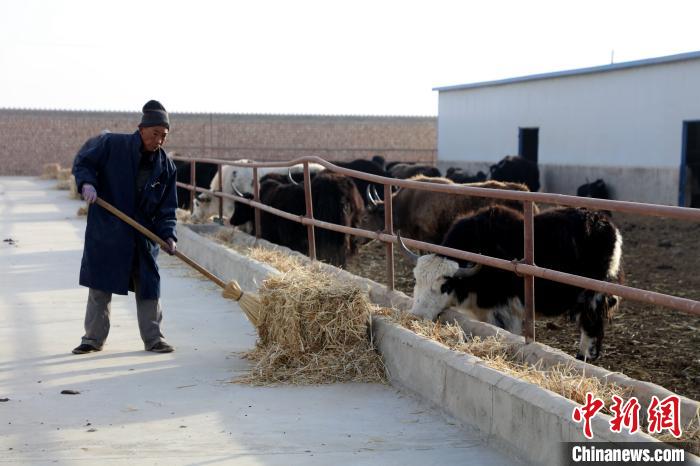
[150,235]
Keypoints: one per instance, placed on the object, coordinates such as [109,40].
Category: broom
[250,302]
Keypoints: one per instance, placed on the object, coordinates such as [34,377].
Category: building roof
[580,71]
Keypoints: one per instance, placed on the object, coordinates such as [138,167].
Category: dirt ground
[644,341]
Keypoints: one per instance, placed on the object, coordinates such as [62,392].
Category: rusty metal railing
[525,267]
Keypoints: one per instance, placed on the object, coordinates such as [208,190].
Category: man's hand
[89,193]
[172,246]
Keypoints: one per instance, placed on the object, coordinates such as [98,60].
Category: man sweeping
[133,173]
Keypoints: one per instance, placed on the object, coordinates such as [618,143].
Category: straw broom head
[249,302]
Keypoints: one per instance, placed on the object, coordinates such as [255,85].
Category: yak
[572,240]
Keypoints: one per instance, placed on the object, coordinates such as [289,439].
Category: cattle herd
[572,240]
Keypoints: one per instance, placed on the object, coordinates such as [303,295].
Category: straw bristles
[314,329]
[82,211]
[249,302]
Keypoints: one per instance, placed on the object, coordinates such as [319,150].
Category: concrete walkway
[136,407]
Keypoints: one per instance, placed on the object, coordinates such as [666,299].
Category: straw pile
[313,330]
[50,171]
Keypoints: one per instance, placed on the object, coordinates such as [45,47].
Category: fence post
[256,197]
[309,212]
[529,280]
[193,178]
[221,199]
[389,228]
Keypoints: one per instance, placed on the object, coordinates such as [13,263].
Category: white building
[634,124]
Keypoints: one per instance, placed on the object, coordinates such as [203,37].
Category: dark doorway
[528,142]
[689,195]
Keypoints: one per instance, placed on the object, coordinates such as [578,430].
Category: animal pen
[524,267]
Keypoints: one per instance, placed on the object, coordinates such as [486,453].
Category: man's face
[153,137]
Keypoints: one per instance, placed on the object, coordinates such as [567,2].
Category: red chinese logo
[624,415]
[586,412]
[662,414]
[665,415]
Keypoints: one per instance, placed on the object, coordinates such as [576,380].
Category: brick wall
[31,138]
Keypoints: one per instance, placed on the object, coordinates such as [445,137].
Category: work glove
[172,246]
[89,193]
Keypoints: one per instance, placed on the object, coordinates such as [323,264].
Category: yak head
[372,216]
[201,207]
[593,311]
[434,275]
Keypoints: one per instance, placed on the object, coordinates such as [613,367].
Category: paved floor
[136,407]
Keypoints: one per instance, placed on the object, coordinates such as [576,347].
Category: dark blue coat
[111,166]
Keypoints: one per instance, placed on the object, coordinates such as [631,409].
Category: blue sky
[379,57]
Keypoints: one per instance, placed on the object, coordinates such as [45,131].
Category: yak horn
[291,178]
[375,193]
[465,272]
[236,191]
[370,198]
[407,253]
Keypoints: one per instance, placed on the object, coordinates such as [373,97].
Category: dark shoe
[162,347]
[85,348]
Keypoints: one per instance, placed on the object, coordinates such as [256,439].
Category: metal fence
[524,267]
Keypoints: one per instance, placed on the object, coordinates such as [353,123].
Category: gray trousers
[97,313]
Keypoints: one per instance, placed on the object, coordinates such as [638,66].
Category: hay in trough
[225,235]
[689,439]
[50,171]
[280,261]
[183,215]
[314,330]
[499,355]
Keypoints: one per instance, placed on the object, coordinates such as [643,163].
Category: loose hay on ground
[314,330]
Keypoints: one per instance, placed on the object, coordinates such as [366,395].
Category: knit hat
[154,114]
